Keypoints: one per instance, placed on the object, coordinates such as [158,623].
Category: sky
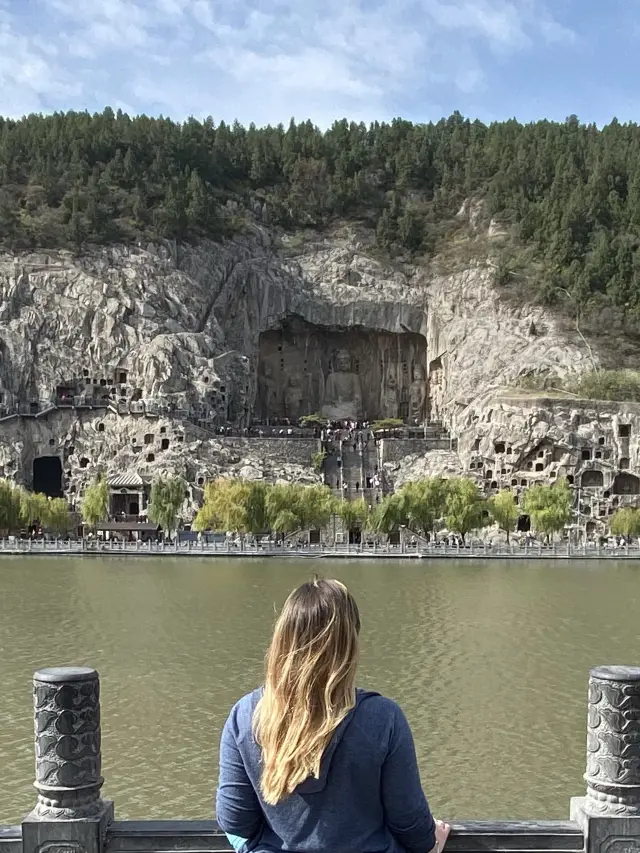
[266,61]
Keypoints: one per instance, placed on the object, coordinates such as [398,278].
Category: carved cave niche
[592,480]
[626,484]
[297,363]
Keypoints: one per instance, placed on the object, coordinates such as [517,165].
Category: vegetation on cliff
[569,192]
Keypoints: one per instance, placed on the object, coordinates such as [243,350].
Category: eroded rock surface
[163,338]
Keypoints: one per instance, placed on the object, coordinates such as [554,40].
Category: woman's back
[368,797]
[301,772]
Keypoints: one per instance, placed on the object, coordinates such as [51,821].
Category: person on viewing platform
[311,764]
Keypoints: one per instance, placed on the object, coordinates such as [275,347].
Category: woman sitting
[309,763]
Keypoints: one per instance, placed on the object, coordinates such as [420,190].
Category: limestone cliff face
[168,335]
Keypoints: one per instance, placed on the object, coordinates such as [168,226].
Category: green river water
[489,659]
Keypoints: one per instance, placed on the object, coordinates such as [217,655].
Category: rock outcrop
[133,359]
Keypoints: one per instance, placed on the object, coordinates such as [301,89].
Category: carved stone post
[610,813]
[70,815]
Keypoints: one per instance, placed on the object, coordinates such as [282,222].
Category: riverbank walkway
[230,549]
[70,815]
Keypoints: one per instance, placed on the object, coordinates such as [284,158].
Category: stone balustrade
[70,815]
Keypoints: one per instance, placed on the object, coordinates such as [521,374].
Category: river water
[489,659]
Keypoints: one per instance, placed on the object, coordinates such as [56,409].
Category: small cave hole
[499,447]
[523,482]
[201,481]
[624,430]
[100,427]
[539,466]
[476,444]
[624,462]
[180,438]
[570,479]
[494,485]
[165,444]
[52,442]
[148,439]
[586,454]
[601,441]
[151,457]
[84,462]
[163,430]
[514,482]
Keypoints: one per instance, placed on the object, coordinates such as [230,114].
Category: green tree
[233,506]
[389,515]
[626,522]
[504,511]
[58,517]
[464,506]
[167,498]
[9,507]
[424,503]
[549,507]
[34,507]
[95,503]
[354,514]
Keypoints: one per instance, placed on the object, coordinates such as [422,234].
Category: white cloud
[260,60]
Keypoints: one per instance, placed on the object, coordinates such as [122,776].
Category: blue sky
[268,60]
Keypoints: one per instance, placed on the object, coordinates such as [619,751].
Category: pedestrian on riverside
[309,762]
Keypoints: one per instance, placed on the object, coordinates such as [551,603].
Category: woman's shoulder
[374,705]
[241,715]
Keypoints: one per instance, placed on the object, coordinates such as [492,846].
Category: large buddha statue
[293,398]
[417,395]
[343,392]
[268,394]
[389,397]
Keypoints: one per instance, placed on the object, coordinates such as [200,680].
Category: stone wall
[396,449]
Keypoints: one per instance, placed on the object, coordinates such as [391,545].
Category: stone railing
[70,815]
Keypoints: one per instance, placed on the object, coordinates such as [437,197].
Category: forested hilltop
[568,193]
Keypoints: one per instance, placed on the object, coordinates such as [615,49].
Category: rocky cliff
[163,338]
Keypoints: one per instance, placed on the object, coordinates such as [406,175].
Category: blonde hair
[309,684]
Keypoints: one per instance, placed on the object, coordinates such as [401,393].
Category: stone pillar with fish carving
[70,815]
[610,813]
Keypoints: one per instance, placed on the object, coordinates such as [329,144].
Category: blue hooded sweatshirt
[368,798]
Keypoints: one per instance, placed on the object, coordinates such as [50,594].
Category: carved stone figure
[269,397]
[343,392]
[293,398]
[417,395]
[389,399]
[613,753]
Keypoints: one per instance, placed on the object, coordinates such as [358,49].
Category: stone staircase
[351,468]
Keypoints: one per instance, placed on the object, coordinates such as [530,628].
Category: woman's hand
[442,833]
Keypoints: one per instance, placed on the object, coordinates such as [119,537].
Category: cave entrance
[524,524]
[47,476]
[355,536]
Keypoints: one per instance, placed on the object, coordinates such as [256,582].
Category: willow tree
[167,498]
[354,514]
[389,515]
[231,505]
[626,522]
[423,503]
[34,507]
[464,506]
[95,503]
[549,507]
[504,511]
[58,519]
[9,507]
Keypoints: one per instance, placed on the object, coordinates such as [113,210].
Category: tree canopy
[167,497]
[569,191]
[95,503]
[549,507]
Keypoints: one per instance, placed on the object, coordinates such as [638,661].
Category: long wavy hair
[309,684]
